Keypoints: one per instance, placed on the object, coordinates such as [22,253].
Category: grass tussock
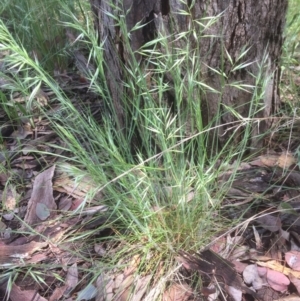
[159,177]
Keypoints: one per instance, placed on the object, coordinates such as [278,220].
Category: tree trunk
[241,47]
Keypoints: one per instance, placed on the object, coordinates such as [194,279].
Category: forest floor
[60,239]
[37,229]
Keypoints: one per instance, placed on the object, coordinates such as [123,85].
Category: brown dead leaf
[258,242]
[75,204]
[266,160]
[3,177]
[37,258]
[100,249]
[267,294]
[219,245]
[127,279]
[177,292]
[22,132]
[283,160]
[42,193]
[210,292]
[131,268]
[40,96]
[287,298]
[16,294]
[104,287]
[107,294]
[27,149]
[296,282]
[10,253]
[269,222]
[65,184]
[141,285]
[71,279]
[119,286]
[65,203]
[2,229]
[9,198]
[38,142]
[240,252]
[239,266]
[160,270]
[122,288]
[286,160]
[30,165]
[58,293]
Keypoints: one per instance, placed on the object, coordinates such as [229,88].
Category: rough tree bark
[243,24]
